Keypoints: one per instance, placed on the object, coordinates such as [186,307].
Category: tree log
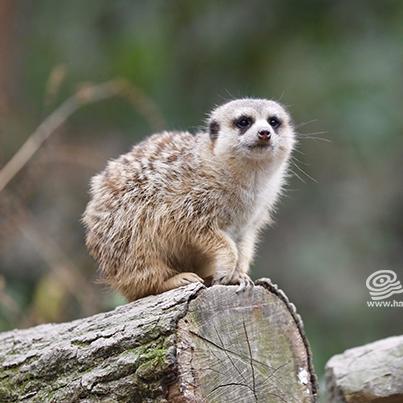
[191,344]
[370,373]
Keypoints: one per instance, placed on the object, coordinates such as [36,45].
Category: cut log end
[192,344]
[241,345]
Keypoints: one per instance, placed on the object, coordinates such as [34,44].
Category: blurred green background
[338,66]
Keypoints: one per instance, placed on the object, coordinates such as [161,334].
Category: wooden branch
[191,344]
[370,373]
[87,94]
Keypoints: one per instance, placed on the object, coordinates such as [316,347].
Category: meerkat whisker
[305,173]
[302,124]
[302,180]
[312,133]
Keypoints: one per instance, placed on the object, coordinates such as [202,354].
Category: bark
[192,344]
[370,373]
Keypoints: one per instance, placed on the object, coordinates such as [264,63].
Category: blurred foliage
[338,66]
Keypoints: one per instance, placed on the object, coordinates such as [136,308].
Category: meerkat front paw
[234,278]
[181,279]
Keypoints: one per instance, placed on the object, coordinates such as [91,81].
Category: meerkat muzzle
[264,135]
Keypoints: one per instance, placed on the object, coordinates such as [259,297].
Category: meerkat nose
[264,135]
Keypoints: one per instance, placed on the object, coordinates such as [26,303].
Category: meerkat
[182,208]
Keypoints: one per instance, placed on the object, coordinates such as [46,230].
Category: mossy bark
[192,344]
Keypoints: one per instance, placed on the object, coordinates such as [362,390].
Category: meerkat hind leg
[179,280]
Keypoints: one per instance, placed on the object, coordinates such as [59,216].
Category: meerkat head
[256,129]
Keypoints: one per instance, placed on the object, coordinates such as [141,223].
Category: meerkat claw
[245,283]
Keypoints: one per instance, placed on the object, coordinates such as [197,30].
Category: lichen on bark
[189,344]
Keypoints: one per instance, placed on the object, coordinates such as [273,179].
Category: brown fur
[180,208]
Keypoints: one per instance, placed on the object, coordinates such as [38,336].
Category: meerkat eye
[243,122]
[274,122]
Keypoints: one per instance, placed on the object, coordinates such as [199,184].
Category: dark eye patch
[214,128]
[243,123]
[274,122]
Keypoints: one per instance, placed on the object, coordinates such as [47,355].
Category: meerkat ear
[214,128]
